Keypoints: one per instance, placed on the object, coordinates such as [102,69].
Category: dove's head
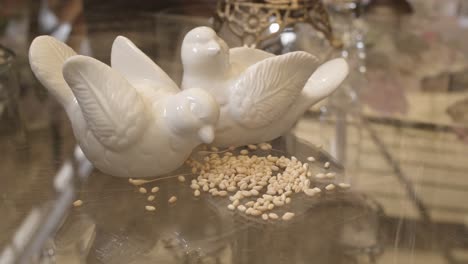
[193,112]
[203,50]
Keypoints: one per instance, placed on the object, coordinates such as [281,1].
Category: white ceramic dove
[261,95]
[130,120]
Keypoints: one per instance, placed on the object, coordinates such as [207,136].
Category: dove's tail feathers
[47,55]
[324,81]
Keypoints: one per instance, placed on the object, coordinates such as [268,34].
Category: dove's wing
[135,66]
[113,110]
[267,89]
[47,56]
[245,57]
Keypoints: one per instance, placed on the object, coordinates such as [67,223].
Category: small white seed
[273,216]
[330,187]
[344,185]
[173,199]
[252,147]
[244,152]
[320,175]
[254,192]
[181,178]
[196,193]
[194,186]
[142,190]
[222,193]
[288,200]
[255,212]
[155,189]
[235,202]
[250,204]
[310,192]
[311,159]
[231,207]
[317,190]
[78,203]
[265,217]
[326,165]
[150,208]
[231,188]
[287,216]
[274,168]
[271,206]
[309,174]
[330,175]
[151,198]
[241,208]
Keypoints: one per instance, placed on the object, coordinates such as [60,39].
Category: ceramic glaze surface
[261,95]
[130,120]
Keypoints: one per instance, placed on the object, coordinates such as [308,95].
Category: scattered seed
[287,200]
[287,216]
[344,185]
[320,175]
[78,203]
[273,216]
[150,208]
[155,189]
[311,159]
[330,175]
[309,174]
[330,187]
[310,192]
[252,147]
[173,199]
[196,193]
[316,189]
[231,207]
[326,165]
[265,217]
[142,190]
[151,198]
[181,178]
[244,152]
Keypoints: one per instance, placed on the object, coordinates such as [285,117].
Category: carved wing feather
[112,108]
[266,90]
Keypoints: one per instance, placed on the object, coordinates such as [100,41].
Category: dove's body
[261,96]
[129,120]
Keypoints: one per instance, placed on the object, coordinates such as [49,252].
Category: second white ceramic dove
[130,120]
[261,96]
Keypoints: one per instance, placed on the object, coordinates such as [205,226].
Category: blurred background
[397,128]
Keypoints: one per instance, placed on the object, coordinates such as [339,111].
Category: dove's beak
[206,134]
[214,48]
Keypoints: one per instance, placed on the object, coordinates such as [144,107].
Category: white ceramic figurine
[261,95]
[130,120]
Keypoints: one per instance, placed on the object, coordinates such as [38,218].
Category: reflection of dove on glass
[130,120]
[261,95]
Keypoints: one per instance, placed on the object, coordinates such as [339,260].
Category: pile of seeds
[255,185]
